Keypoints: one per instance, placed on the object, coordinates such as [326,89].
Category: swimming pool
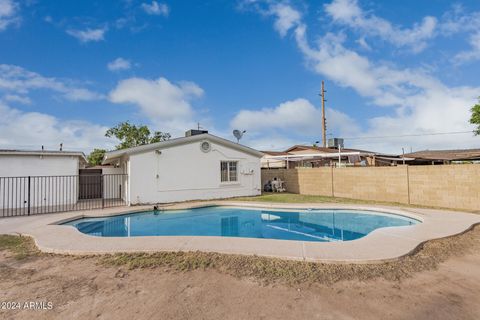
[303,225]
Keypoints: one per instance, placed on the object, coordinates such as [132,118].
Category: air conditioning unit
[335,143]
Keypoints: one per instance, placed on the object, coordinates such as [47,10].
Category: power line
[410,135]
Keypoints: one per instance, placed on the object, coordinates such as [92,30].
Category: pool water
[303,225]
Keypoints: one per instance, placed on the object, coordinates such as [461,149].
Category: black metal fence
[21,196]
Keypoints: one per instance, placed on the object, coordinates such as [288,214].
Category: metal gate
[90,183]
[22,196]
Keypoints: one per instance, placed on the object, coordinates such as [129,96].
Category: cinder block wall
[290,177]
[372,183]
[449,186]
[315,181]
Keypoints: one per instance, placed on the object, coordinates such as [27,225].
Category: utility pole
[324,120]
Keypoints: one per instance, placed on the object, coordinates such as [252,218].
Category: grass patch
[268,270]
[302,198]
[21,247]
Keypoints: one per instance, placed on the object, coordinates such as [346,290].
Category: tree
[96,156]
[475,119]
[131,135]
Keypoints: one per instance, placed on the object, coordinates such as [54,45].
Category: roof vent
[194,132]
[205,146]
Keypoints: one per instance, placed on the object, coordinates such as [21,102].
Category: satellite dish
[238,134]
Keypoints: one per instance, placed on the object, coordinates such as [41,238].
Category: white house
[197,166]
[21,163]
[39,180]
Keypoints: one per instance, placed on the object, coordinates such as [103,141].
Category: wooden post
[324,121]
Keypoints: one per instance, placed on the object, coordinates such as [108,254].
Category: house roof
[109,156]
[79,154]
[324,149]
[449,155]
[303,147]
[361,150]
[276,153]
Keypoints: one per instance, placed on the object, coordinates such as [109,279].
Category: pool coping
[378,246]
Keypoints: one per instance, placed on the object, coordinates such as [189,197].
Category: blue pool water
[303,225]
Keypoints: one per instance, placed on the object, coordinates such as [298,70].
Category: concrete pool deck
[380,245]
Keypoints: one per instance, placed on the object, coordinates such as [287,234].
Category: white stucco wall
[45,191]
[114,183]
[34,165]
[113,170]
[185,172]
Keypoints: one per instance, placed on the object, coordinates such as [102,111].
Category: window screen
[228,171]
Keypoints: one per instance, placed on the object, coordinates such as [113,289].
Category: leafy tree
[96,156]
[475,119]
[131,135]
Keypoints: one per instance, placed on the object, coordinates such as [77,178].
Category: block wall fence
[448,186]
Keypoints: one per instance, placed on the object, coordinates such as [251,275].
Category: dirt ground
[86,288]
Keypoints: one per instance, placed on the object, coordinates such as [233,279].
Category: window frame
[229,165]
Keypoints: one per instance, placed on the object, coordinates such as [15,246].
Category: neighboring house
[197,166]
[21,163]
[441,156]
[274,159]
[312,156]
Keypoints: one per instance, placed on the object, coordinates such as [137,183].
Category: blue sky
[71,69]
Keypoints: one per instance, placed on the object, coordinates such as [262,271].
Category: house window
[228,171]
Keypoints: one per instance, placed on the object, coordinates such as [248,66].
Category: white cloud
[17,98]
[346,67]
[81,94]
[119,64]
[457,20]
[473,53]
[420,102]
[287,18]
[168,105]
[88,35]
[15,79]
[271,143]
[349,13]
[297,118]
[363,43]
[31,130]
[440,109]
[294,115]
[155,8]
[8,13]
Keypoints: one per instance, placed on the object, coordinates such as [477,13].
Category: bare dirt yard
[440,281]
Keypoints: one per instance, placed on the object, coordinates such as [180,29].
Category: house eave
[110,156]
[80,155]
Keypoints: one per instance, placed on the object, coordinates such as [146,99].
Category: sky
[398,74]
